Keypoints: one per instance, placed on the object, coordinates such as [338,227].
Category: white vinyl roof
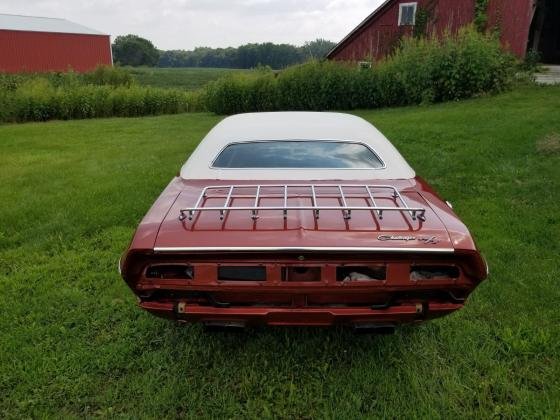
[309,126]
[43,24]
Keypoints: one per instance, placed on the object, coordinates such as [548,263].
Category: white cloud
[185,24]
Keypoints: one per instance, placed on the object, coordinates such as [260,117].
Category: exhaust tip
[378,329]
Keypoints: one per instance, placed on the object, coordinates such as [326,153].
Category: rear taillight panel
[319,273]
[170,271]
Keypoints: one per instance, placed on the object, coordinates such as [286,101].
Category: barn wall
[513,19]
[41,52]
[382,33]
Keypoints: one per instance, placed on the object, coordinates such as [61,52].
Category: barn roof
[358,28]
[43,24]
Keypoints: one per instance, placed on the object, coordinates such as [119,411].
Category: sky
[185,24]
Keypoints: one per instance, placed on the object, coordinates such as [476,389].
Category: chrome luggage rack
[315,193]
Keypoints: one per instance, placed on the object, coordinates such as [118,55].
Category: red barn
[523,25]
[38,44]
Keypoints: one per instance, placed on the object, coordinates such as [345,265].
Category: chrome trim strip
[306,249]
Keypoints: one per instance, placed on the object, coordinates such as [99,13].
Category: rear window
[298,154]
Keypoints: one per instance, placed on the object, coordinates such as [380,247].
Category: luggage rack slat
[347,213]
[379,212]
[316,211]
[312,192]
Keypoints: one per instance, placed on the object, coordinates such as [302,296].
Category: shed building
[523,25]
[39,44]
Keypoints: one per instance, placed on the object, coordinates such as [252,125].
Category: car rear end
[301,287]
[355,254]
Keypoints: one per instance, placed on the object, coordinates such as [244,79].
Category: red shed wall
[22,51]
[382,33]
[513,18]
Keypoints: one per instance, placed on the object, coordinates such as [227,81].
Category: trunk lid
[300,229]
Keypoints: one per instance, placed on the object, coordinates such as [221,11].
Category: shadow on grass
[304,346]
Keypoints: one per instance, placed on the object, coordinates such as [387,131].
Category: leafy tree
[318,49]
[247,56]
[132,50]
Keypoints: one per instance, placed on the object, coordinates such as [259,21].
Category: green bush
[10,82]
[40,100]
[242,92]
[104,92]
[455,67]
[110,76]
[532,60]
[102,76]
[316,86]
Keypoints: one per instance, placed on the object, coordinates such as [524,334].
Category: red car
[300,218]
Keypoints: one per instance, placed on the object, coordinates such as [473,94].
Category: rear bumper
[393,315]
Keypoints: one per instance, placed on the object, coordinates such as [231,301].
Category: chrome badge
[430,240]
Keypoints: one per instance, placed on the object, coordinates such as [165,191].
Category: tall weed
[39,100]
[454,67]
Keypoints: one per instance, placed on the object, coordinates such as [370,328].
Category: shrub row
[41,100]
[102,75]
[104,92]
[421,70]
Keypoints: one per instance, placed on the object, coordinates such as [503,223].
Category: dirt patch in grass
[549,145]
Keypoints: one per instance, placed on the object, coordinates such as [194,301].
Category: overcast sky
[185,24]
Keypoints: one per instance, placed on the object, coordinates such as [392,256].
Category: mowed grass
[73,342]
[181,78]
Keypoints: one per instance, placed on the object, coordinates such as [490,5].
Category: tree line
[132,50]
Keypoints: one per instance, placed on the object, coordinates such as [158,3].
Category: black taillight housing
[236,273]
[434,272]
[170,271]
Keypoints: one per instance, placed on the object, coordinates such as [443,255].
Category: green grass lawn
[73,343]
[183,78]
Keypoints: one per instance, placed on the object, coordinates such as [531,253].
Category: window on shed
[407,14]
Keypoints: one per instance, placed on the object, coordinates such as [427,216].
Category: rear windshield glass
[298,154]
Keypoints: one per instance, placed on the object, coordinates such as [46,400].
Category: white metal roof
[43,24]
[275,126]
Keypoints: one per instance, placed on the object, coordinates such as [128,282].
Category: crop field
[182,78]
[74,344]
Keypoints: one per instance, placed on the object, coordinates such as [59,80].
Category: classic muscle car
[300,218]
